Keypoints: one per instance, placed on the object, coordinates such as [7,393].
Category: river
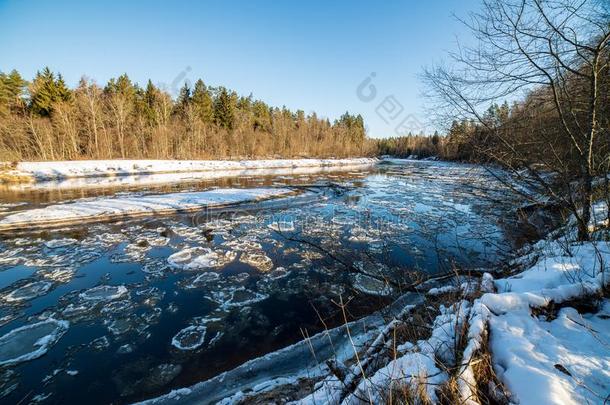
[132,309]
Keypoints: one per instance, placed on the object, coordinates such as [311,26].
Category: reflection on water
[129,310]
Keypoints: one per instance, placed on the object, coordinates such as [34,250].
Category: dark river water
[124,311]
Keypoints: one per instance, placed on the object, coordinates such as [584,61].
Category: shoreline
[33,172]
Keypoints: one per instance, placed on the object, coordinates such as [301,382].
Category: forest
[44,119]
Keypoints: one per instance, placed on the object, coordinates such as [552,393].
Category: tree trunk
[587,192]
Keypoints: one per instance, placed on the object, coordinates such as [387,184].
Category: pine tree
[63,93]
[202,101]
[149,102]
[262,116]
[43,93]
[183,100]
[224,109]
[12,88]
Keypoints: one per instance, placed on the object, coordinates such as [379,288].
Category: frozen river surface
[117,312]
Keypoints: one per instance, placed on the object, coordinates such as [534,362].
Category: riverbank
[129,207]
[542,321]
[28,172]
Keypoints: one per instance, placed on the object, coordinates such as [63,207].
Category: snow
[118,207]
[40,171]
[408,370]
[530,352]
[167,178]
[562,360]
[31,341]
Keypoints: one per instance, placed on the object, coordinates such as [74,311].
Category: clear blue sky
[309,55]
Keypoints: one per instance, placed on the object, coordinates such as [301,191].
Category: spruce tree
[224,109]
[43,92]
[183,100]
[202,101]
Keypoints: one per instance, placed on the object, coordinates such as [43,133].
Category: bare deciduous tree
[554,53]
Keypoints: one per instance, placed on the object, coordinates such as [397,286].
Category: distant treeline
[46,120]
[420,146]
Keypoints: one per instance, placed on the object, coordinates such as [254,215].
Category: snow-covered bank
[549,325]
[42,171]
[157,179]
[100,209]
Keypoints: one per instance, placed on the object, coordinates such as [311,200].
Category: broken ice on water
[194,258]
[103,293]
[189,338]
[31,341]
[28,291]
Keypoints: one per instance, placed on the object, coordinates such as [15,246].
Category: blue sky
[309,55]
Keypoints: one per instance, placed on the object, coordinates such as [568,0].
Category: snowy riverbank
[534,333]
[109,208]
[44,171]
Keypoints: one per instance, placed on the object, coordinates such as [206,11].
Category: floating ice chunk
[28,291]
[111,238]
[203,279]
[240,278]
[372,286]
[104,293]
[242,296]
[219,225]
[189,338]
[59,275]
[210,259]
[278,273]
[125,349]
[179,259]
[76,311]
[72,373]
[31,341]
[100,343]
[244,245]
[59,243]
[259,260]
[199,258]
[119,326]
[282,226]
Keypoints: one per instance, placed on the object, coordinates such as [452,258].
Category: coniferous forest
[44,119]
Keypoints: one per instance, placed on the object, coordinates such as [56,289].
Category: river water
[124,311]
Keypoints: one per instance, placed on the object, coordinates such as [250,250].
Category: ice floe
[195,258]
[59,243]
[372,286]
[260,261]
[189,338]
[28,291]
[31,341]
[103,293]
